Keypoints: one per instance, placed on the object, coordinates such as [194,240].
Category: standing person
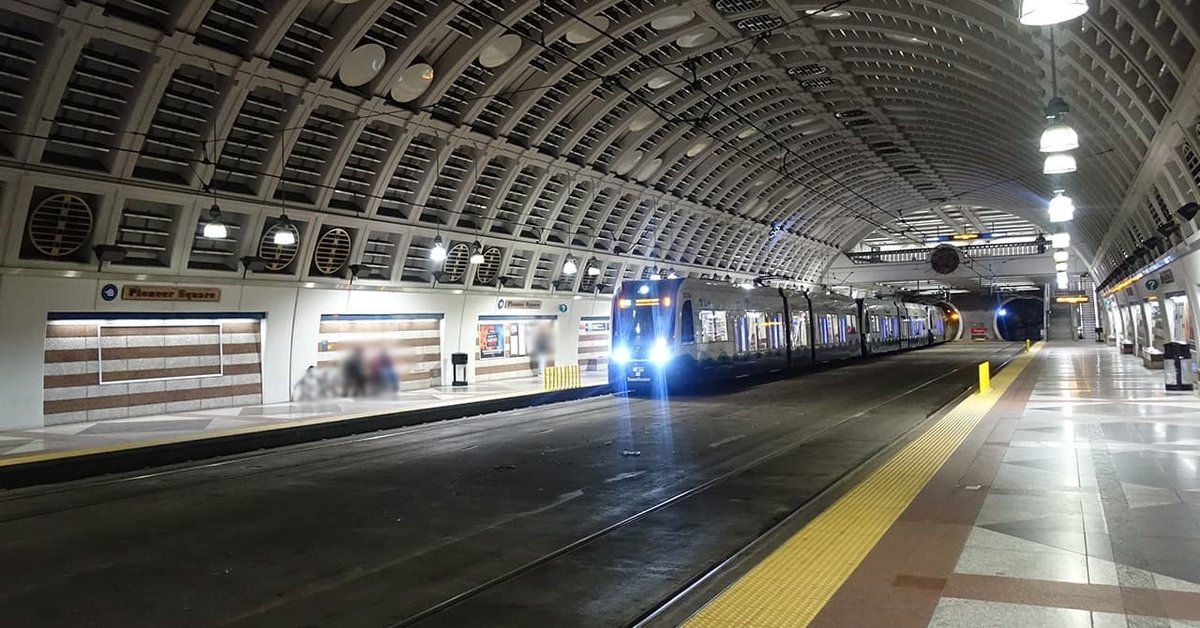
[384,372]
[541,346]
[354,374]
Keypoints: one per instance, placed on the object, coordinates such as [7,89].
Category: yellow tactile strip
[795,581]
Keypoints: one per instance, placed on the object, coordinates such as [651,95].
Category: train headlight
[660,353]
[620,355]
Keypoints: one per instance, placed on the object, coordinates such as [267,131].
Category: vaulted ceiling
[745,136]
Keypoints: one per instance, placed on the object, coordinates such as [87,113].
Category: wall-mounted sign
[979,332]
[1166,276]
[109,292]
[169,293]
[562,307]
[1152,284]
[519,304]
[1072,298]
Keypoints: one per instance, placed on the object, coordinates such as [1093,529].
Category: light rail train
[689,332]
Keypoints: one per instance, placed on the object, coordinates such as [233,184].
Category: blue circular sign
[109,292]
[500,304]
[562,307]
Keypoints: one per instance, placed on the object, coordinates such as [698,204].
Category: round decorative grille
[759,23]
[737,6]
[333,249]
[278,256]
[487,271]
[811,69]
[944,259]
[458,258]
[60,225]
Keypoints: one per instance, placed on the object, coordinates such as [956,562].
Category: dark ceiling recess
[759,23]
[944,259]
[824,81]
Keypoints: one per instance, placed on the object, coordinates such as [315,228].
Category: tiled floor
[1075,503]
[81,436]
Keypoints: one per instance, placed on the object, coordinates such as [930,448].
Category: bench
[1152,358]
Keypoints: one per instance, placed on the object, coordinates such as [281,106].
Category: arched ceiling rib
[817,130]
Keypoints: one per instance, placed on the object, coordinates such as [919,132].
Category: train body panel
[690,331]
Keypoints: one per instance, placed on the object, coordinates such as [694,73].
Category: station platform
[64,443]
[1067,496]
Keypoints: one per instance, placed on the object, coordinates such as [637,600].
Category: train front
[644,343]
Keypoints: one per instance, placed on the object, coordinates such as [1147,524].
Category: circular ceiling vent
[458,259]
[490,268]
[332,252]
[809,69]
[944,259]
[60,225]
[278,256]
[737,6]
[759,23]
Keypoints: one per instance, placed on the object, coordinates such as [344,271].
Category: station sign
[1072,298]
[962,237]
[169,293]
[519,304]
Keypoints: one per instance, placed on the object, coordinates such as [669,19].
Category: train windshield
[643,323]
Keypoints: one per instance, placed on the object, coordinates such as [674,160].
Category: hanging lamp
[1061,208]
[593,269]
[437,253]
[1061,256]
[1059,163]
[569,266]
[476,254]
[1048,12]
[1058,137]
[214,229]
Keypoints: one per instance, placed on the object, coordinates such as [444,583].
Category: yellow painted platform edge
[202,436]
[797,579]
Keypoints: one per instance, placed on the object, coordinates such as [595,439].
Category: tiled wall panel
[107,369]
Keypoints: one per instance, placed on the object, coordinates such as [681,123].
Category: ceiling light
[1058,138]
[438,252]
[1061,267]
[627,162]
[582,32]
[1060,240]
[1062,279]
[569,266]
[214,229]
[1062,208]
[1061,256]
[672,19]
[746,132]
[828,14]
[477,254]
[285,232]
[593,269]
[642,120]
[412,82]
[1047,12]
[696,149]
[362,64]
[660,81]
[1059,163]
[500,50]
[654,275]
[672,274]
[697,39]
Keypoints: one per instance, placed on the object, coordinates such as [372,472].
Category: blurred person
[383,373]
[543,343]
[309,387]
[354,374]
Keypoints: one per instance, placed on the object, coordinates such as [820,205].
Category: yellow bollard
[985,378]
[1026,345]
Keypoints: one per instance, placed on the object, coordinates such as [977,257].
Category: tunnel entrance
[1020,319]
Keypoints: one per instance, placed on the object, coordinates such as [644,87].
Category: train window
[800,329]
[753,332]
[713,326]
[687,326]
[776,328]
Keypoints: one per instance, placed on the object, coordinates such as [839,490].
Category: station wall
[1157,306]
[290,330]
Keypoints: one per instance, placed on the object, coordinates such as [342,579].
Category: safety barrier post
[985,377]
[1026,345]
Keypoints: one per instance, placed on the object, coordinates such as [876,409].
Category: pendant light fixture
[593,269]
[214,229]
[476,254]
[437,253]
[1060,240]
[654,274]
[1062,280]
[1058,137]
[569,266]
[1061,208]
[285,231]
[672,274]
[1059,163]
[1047,12]
[1061,256]
[1061,267]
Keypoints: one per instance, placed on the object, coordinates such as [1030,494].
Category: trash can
[1177,366]
[458,366]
